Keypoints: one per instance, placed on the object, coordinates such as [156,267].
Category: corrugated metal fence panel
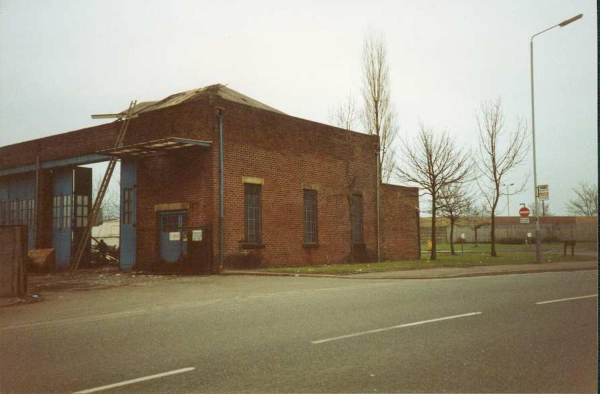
[581,232]
[442,234]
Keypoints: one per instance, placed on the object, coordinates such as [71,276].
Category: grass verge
[443,260]
[486,247]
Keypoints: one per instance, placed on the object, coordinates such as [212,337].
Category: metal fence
[581,232]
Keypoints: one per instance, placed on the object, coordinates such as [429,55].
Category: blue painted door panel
[172,237]
[82,196]
[127,242]
[62,216]
[20,188]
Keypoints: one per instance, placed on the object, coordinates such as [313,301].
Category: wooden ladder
[101,193]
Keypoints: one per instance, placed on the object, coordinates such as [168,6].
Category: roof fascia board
[71,161]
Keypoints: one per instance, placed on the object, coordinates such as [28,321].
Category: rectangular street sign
[525,220]
[543,192]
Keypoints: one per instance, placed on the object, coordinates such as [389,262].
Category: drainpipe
[378,207]
[221,192]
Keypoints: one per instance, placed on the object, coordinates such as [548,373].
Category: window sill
[310,246]
[253,246]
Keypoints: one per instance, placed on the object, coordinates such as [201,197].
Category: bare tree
[498,154]
[478,217]
[345,114]
[585,202]
[544,209]
[434,162]
[454,204]
[112,199]
[379,117]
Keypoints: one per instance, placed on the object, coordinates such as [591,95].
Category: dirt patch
[43,285]
[90,279]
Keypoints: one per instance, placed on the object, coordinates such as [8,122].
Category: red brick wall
[185,120]
[282,150]
[183,178]
[399,223]
[286,152]
[74,143]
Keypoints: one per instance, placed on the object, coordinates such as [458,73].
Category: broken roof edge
[220,90]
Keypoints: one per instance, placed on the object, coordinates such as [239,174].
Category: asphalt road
[288,334]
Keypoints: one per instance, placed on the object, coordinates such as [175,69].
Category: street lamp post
[508,206]
[538,246]
[508,197]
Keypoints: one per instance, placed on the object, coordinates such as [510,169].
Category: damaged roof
[219,90]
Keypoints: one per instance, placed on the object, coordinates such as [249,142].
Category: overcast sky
[61,61]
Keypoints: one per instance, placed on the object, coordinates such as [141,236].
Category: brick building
[295,192]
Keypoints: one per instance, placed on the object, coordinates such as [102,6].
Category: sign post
[543,192]
[524,213]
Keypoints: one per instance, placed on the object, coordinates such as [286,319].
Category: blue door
[172,237]
[127,242]
[18,203]
[62,217]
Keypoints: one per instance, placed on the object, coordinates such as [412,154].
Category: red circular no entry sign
[524,212]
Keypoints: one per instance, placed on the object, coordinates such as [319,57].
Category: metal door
[82,198]
[127,242]
[62,216]
[199,256]
[172,237]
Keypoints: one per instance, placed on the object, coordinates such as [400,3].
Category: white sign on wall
[196,235]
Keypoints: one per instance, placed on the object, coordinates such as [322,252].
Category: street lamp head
[573,19]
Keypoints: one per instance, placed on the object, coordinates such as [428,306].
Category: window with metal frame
[56,208]
[3,212]
[81,210]
[31,213]
[252,218]
[67,210]
[310,216]
[357,219]
[127,206]
[23,212]
[173,222]
[14,212]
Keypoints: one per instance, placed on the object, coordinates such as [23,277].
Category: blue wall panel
[61,231]
[127,242]
[21,188]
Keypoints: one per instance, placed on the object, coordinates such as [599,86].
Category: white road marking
[159,375]
[566,299]
[393,328]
